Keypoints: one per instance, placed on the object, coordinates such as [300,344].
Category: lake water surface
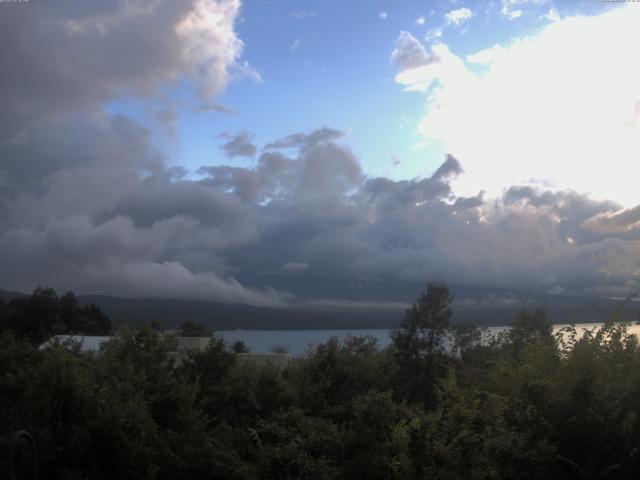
[298,342]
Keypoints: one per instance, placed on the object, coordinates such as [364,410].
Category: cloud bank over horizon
[124,222]
[89,202]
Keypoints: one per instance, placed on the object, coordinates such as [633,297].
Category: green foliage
[292,445]
[336,372]
[419,344]
[523,405]
[465,337]
[239,347]
[44,314]
[425,324]
[528,327]
[193,329]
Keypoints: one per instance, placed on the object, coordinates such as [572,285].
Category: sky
[320,153]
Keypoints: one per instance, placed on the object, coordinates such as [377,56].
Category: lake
[298,342]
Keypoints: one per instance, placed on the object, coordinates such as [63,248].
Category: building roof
[88,343]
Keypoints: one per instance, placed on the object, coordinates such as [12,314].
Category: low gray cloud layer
[101,211]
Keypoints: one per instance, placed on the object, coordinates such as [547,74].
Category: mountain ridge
[484,310]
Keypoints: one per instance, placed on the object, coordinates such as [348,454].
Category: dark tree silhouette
[419,342]
[44,314]
[193,329]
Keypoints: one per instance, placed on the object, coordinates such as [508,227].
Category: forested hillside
[484,307]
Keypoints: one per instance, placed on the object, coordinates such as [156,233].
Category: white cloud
[561,106]
[512,14]
[409,53]
[302,14]
[421,145]
[296,44]
[488,55]
[244,70]
[513,9]
[421,20]
[458,16]
[211,45]
[423,70]
[454,17]
[383,15]
[434,33]
[510,10]
[552,15]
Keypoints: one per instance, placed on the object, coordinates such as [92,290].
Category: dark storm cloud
[248,185]
[85,201]
[386,195]
[270,177]
[120,221]
[465,203]
[70,56]
[294,267]
[450,168]
[239,145]
[320,166]
[73,142]
[529,195]
[114,218]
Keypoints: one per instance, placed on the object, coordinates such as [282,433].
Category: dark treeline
[43,314]
[524,404]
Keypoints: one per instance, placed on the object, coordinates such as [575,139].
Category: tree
[425,323]
[193,329]
[210,368]
[36,317]
[529,327]
[44,314]
[86,320]
[373,449]
[95,322]
[419,342]
[465,336]
[239,347]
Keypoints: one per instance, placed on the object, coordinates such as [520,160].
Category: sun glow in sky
[556,108]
